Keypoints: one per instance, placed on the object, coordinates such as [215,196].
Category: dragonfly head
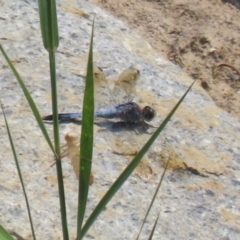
[148,113]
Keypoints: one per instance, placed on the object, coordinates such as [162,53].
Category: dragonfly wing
[126,84]
[123,91]
[101,88]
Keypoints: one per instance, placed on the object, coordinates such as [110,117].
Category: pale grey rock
[200,135]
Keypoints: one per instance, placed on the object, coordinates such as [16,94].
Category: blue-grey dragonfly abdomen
[64,117]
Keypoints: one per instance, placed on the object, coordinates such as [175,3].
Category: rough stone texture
[200,137]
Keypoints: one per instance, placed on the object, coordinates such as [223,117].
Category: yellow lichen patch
[192,188]
[231,218]
[212,185]
[96,129]
[232,132]
[175,162]
[191,160]
[198,121]
[81,72]
[212,115]
[48,98]
[146,95]
[69,7]
[189,118]
[130,150]
[132,43]
[184,78]
[198,160]
[123,148]
[208,184]
[52,179]
[77,72]
[79,61]
[161,108]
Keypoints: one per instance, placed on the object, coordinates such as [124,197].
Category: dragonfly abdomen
[102,113]
[64,117]
[107,113]
[128,112]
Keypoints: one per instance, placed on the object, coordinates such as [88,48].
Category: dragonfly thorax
[131,112]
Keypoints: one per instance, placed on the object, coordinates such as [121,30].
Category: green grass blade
[86,143]
[130,168]
[4,235]
[30,100]
[61,191]
[49,24]
[154,197]
[19,172]
[154,227]
[49,29]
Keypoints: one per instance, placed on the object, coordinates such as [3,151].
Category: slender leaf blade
[5,235]
[30,101]
[154,227]
[154,197]
[19,172]
[86,143]
[52,64]
[49,29]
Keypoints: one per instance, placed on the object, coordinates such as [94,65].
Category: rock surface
[199,195]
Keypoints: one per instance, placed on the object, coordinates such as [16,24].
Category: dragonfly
[129,114]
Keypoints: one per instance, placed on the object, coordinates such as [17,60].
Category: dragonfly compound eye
[148,113]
